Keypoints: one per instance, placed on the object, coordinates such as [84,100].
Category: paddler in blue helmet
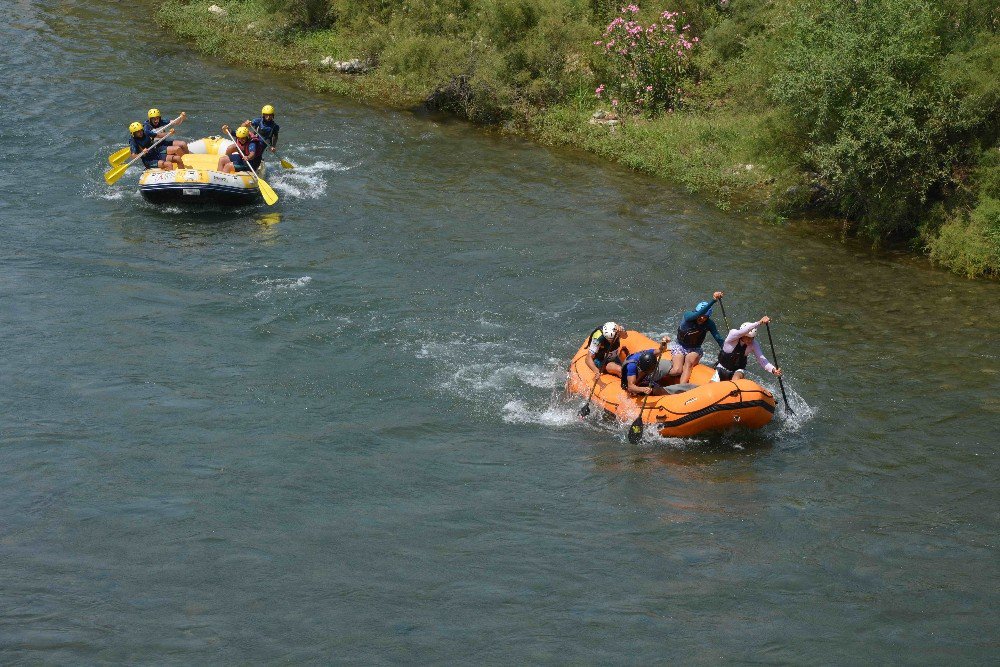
[686,351]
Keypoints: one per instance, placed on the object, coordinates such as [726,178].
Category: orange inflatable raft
[707,406]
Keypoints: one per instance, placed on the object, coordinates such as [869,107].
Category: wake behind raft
[200,181]
[708,406]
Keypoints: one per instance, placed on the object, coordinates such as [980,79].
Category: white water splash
[305,182]
[553,414]
[791,422]
[271,286]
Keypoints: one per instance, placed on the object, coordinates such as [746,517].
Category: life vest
[137,145]
[237,156]
[691,334]
[149,129]
[606,351]
[267,131]
[634,359]
[735,360]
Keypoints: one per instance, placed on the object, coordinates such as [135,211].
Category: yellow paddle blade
[269,197]
[112,175]
[286,164]
[119,156]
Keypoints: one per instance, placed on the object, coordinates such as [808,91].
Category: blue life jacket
[268,130]
[631,367]
[690,334]
[150,130]
[138,145]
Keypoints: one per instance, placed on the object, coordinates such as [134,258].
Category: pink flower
[649,89]
[614,103]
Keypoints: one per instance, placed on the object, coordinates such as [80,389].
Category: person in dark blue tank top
[265,127]
[696,324]
[155,127]
[140,144]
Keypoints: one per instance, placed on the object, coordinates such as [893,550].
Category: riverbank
[912,160]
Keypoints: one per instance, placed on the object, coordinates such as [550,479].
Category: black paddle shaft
[723,308]
[774,355]
[635,430]
[585,410]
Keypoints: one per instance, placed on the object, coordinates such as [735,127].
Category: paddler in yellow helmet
[265,127]
[247,144]
[141,144]
[155,127]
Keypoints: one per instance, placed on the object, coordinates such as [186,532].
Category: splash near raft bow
[200,181]
[705,406]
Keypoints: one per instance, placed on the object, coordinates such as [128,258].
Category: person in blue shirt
[247,145]
[265,127]
[686,351]
[154,126]
[641,374]
[141,144]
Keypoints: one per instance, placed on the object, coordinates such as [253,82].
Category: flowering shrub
[645,64]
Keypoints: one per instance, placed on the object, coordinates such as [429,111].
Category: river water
[334,430]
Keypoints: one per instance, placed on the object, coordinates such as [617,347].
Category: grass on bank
[883,114]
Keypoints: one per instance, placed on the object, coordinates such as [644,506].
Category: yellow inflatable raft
[707,406]
[200,181]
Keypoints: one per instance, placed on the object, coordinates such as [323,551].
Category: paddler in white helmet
[735,350]
[602,353]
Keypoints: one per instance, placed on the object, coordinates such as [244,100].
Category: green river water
[335,430]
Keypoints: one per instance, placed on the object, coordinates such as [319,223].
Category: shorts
[152,158]
[611,359]
[677,348]
[723,374]
[662,371]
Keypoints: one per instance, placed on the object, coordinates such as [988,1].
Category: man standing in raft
[233,161]
[687,350]
[733,357]
[265,127]
[640,372]
[154,127]
[602,354]
[139,143]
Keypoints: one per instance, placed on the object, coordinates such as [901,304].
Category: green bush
[860,84]
[970,244]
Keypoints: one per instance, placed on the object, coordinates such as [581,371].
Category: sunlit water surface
[334,430]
